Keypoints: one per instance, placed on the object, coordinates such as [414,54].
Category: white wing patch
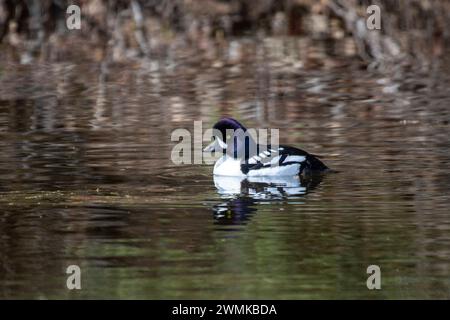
[295,159]
[254,160]
[275,160]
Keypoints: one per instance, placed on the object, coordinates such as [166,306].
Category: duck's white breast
[228,166]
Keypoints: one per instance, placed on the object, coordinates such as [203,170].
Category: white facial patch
[222,144]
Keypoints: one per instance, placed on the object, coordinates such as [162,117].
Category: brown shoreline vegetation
[413,31]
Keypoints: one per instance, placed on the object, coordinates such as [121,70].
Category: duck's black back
[312,163]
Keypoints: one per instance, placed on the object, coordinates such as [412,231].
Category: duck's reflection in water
[242,195]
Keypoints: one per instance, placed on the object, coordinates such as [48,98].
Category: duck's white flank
[228,166]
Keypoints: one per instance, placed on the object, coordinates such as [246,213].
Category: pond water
[86,177]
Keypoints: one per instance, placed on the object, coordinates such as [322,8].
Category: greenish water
[86,177]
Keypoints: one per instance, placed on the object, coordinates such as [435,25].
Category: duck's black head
[225,124]
[231,136]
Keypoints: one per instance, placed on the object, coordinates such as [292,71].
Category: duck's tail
[315,166]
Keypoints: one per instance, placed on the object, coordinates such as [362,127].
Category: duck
[242,157]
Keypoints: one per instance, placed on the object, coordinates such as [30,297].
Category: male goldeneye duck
[243,157]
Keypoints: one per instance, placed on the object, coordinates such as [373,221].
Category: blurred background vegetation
[413,31]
